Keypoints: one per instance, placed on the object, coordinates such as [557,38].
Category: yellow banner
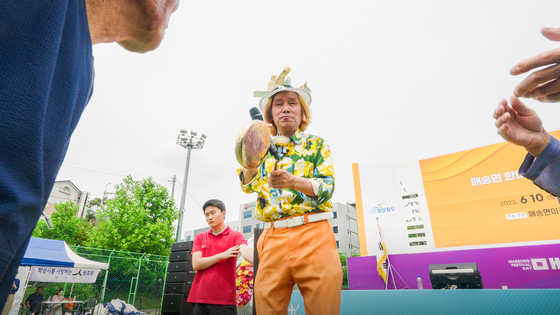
[475,197]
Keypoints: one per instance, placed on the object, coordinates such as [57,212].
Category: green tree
[344,263]
[66,225]
[138,219]
[92,207]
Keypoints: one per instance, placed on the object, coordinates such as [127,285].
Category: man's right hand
[521,125]
[249,174]
[232,252]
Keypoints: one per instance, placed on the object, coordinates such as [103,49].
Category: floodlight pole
[189,141]
[183,196]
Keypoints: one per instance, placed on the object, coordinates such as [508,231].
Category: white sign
[63,274]
[394,196]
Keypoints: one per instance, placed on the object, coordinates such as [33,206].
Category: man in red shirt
[214,256]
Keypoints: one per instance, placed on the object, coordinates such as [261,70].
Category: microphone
[256,115]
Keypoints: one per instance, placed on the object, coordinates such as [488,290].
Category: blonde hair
[305,115]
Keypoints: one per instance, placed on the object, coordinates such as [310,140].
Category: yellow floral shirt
[305,156]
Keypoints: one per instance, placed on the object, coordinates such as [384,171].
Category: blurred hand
[521,125]
[542,85]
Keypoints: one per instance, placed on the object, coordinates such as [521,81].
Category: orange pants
[305,255]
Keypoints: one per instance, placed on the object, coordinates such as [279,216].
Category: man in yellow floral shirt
[299,244]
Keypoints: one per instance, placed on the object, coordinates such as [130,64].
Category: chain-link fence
[135,278]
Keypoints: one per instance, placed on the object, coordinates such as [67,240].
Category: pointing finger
[545,58]
[552,33]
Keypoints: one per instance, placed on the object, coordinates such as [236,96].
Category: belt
[299,220]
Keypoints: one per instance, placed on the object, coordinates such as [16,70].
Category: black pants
[34,309]
[214,309]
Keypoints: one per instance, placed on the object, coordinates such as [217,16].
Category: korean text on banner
[63,274]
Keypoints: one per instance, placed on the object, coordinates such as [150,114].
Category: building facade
[64,191]
[345,228]
[247,220]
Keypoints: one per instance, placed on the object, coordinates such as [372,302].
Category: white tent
[44,252]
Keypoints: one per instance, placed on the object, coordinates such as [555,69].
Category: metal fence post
[137,279]
[106,276]
[164,282]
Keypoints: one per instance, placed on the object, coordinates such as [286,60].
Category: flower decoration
[244,283]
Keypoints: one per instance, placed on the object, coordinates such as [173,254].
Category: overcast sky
[392,81]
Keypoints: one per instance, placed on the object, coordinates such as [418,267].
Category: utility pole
[104,193]
[174,179]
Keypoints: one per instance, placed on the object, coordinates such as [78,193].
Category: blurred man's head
[137,25]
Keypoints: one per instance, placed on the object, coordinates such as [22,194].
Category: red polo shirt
[216,284]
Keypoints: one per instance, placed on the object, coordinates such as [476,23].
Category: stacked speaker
[180,276]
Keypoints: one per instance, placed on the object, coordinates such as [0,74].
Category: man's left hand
[521,125]
[281,179]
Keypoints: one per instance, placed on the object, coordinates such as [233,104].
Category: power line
[166,178]
[194,199]
[197,220]
[101,168]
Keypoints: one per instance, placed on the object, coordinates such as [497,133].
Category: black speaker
[178,266]
[181,246]
[180,256]
[178,282]
[176,304]
[456,276]
[178,288]
[186,276]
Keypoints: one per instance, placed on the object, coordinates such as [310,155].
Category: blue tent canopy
[44,252]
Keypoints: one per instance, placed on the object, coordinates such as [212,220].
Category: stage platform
[418,302]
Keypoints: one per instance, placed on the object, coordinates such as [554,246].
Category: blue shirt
[46,79]
[34,299]
[16,282]
[544,171]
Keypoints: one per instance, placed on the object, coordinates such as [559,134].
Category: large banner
[63,274]
[474,199]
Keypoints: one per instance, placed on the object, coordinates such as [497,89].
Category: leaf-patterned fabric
[306,156]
